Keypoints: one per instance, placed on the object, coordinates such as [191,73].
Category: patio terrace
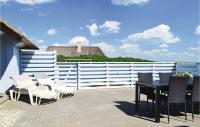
[88,108]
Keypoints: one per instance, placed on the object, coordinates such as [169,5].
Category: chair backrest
[23,81]
[196,89]
[177,89]
[43,79]
[164,77]
[145,77]
[41,75]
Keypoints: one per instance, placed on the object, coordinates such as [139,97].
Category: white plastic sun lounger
[25,85]
[60,87]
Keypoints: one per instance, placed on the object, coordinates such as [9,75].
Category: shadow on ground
[129,109]
[148,113]
[26,99]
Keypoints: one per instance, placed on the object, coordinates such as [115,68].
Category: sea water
[193,68]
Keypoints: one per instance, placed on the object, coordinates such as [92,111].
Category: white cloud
[43,13]
[160,33]
[33,2]
[93,29]
[4,1]
[128,47]
[27,9]
[34,11]
[81,39]
[107,48]
[158,52]
[129,2]
[135,50]
[111,26]
[43,47]
[40,41]
[164,46]
[59,44]
[195,49]
[197,31]
[106,27]
[51,32]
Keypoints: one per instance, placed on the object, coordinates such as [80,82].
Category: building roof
[9,30]
[72,50]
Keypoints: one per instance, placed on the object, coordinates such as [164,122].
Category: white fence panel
[118,73]
[93,74]
[34,61]
[67,72]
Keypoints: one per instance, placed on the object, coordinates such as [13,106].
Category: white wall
[9,62]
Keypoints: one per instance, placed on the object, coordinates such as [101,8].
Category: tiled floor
[92,108]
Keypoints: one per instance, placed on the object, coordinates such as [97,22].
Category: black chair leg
[185,111]
[192,111]
[152,105]
[139,99]
[139,94]
[147,104]
[168,112]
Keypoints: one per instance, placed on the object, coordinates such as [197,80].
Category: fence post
[198,69]
[132,71]
[56,68]
[56,73]
[107,75]
[175,68]
[154,71]
[20,63]
[77,76]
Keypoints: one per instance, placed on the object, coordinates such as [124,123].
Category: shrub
[97,58]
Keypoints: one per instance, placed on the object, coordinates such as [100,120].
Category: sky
[159,30]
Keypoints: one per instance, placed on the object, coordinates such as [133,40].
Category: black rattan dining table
[157,86]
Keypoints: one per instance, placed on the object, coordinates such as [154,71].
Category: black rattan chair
[164,78]
[177,92]
[149,92]
[195,93]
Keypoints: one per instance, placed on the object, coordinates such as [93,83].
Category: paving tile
[92,108]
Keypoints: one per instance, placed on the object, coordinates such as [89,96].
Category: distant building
[11,43]
[76,50]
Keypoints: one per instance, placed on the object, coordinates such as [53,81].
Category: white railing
[107,74]
[34,61]
[67,73]
[94,74]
